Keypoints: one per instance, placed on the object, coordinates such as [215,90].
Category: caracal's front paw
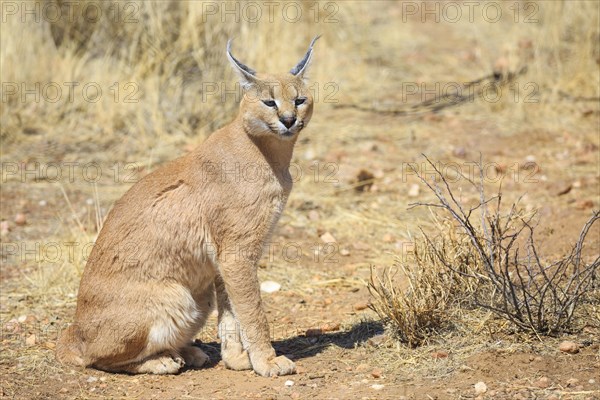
[276,366]
[194,356]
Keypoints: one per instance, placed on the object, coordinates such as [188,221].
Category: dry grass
[419,298]
[162,64]
[156,76]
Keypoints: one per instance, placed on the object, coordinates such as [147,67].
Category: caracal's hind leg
[160,364]
[232,352]
[194,356]
[205,303]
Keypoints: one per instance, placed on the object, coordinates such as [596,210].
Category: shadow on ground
[300,347]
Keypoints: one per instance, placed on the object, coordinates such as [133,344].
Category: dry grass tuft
[431,295]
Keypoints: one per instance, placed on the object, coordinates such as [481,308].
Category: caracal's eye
[300,101]
[270,103]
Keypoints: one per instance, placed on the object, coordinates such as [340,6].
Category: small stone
[376,373]
[584,204]
[43,203]
[439,354]
[377,340]
[362,367]
[27,319]
[543,383]
[414,190]
[480,388]
[377,386]
[501,66]
[388,238]
[89,202]
[459,152]
[63,390]
[569,347]
[4,228]
[30,341]
[525,44]
[91,379]
[313,215]
[572,382]
[313,332]
[500,168]
[20,219]
[369,146]
[330,327]
[295,395]
[592,381]
[361,306]
[270,286]
[328,238]
[364,181]
[563,189]
[345,252]
[358,245]
[289,383]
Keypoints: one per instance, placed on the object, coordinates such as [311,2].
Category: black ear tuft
[247,74]
[300,68]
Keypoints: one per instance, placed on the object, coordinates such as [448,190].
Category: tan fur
[187,235]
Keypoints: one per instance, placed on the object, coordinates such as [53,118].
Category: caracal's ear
[247,75]
[300,68]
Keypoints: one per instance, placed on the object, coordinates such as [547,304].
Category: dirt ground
[551,164]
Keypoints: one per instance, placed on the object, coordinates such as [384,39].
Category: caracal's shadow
[300,347]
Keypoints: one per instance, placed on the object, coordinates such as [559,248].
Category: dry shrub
[488,259]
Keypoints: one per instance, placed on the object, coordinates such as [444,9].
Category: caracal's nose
[288,121]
